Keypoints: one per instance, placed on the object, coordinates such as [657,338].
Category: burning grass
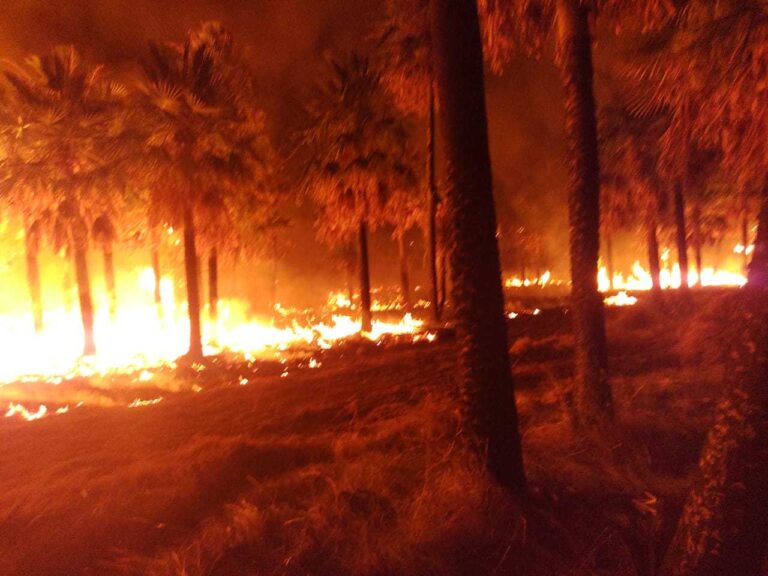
[356,466]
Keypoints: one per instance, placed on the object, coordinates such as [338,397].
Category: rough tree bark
[155,256]
[80,251]
[681,236]
[609,259]
[193,286]
[109,278]
[697,240]
[365,277]
[745,236]
[405,281]
[654,264]
[443,282]
[487,387]
[213,286]
[758,267]
[156,273]
[32,248]
[592,399]
[724,526]
[432,201]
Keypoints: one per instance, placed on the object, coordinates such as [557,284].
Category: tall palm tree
[724,525]
[65,147]
[405,44]
[528,24]
[357,145]
[204,133]
[486,381]
[105,235]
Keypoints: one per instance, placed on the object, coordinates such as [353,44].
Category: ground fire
[406,287]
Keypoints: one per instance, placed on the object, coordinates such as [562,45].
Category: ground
[357,466]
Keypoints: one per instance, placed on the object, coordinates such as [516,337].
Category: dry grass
[359,467]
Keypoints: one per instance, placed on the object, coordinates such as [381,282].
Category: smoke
[284,42]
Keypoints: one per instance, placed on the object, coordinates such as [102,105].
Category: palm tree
[724,526]
[205,135]
[66,144]
[405,45]
[631,180]
[403,213]
[358,154]
[486,381]
[105,235]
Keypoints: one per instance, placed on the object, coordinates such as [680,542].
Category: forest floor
[357,466]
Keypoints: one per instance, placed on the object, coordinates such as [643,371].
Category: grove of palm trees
[402,287]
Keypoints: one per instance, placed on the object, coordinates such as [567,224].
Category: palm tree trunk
[724,526]
[156,273]
[697,240]
[758,268]
[432,202]
[593,400]
[80,251]
[365,278]
[109,278]
[487,387]
[32,247]
[609,259]
[213,286]
[653,252]
[681,237]
[745,236]
[405,282]
[443,282]
[193,286]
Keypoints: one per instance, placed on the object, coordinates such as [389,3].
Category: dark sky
[285,41]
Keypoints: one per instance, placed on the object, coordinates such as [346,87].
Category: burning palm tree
[206,137]
[66,144]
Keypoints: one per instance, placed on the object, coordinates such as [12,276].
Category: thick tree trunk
[609,259]
[593,400]
[443,281]
[654,264]
[432,201]
[681,236]
[724,526]
[273,284]
[697,240]
[365,278]
[350,283]
[193,286]
[32,247]
[487,387]
[758,267]
[745,237]
[405,281]
[80,251]
[158,278]
[213,286]
[109,279]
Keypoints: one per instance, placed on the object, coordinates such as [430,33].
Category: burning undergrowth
[34,398]
[356,467]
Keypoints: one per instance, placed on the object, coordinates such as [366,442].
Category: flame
[138,339]
[621,299]
[540,281]
[639,279]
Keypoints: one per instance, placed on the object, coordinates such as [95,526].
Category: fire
[639,279]
[540,281]
[621,299]
[138,338]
